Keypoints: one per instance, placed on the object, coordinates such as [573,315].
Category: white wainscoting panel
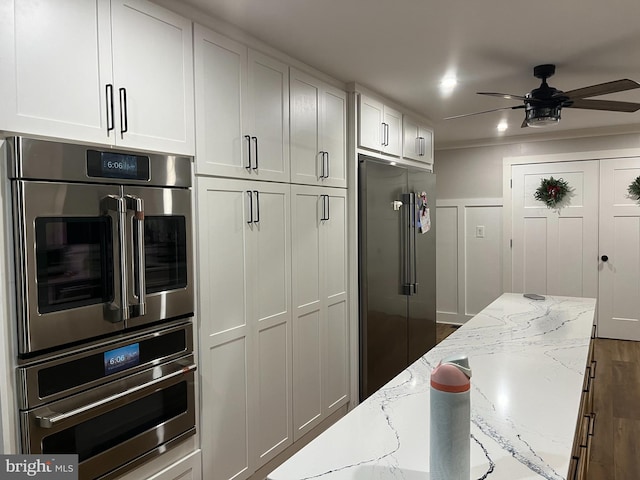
[469,251]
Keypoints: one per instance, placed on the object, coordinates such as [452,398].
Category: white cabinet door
[371,119]
[268,117]
[335,302]
[619,261]
[245,298]
[307,263]
[242,110]
[417,141]
[333,135]
[115,72]
[226,329]
[221,76]
[380,127]
[320,325]
[270,291]
[55,64]
[318,132]
[153,77]
[188,468]
[393,126]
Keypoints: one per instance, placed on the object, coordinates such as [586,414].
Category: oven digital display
[121,358]
[117,165]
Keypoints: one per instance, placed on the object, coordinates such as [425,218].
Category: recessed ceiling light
[448,83]
[502,126]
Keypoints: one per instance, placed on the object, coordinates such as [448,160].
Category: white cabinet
[380,127]
[417,141]
[117,72]
[188,468]
[245,329]
[320,327]
[318,132]
[242,110]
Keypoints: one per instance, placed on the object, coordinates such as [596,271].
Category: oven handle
[117,310]
[136,204]
[49,421]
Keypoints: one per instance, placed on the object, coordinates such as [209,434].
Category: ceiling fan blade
[508,96]
[608,105]
[603,89]
[486,111]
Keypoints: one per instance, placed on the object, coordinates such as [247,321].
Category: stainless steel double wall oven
[103,247]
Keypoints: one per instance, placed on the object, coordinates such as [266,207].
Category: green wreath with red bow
[552,191]
[634,189]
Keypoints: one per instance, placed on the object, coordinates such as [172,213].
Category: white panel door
[555,251]
[333,136]
[335,298]
[619,299]
[320,326]
[307,265]
[393,126]
[305,124]
[220,79]
[370,123]
[153,63]
[226,336]
[268,121]
[270,291]
[55,64]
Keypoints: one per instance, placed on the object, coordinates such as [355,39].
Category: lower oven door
[115,427]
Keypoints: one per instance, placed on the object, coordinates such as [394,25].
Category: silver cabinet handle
[257,220]
[137,301]
[255,139]
[421,148]
[248,139]
[49,421]
[250,221]
[114,207]
[326,172]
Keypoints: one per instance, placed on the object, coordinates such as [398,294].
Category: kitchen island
[528,359]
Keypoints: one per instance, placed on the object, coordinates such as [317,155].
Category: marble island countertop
[528,359]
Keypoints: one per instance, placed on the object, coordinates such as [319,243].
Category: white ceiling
[403,48]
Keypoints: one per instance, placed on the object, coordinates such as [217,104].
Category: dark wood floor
[443,330]
[615,451]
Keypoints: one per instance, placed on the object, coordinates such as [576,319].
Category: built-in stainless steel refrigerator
[397,269]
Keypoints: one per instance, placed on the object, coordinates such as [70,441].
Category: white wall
[470,181]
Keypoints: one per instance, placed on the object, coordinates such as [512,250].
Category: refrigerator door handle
[406,225]
[414,216]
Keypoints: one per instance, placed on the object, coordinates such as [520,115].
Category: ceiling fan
[543,104]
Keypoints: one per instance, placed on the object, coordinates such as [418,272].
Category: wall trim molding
[460,316]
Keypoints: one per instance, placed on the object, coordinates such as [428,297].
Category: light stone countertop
[528,359]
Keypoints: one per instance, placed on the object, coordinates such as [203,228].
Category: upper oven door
[67,262]
[162,216]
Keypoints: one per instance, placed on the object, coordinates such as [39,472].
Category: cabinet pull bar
[257,220]
[422,148]
[250,221]
[109,98]
[328,210]
[326,172]
[248,138]
[124,118]
[255,139]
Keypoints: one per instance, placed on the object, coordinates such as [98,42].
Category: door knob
[604,258]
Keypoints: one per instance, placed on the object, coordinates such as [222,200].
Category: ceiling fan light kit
[543,104]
